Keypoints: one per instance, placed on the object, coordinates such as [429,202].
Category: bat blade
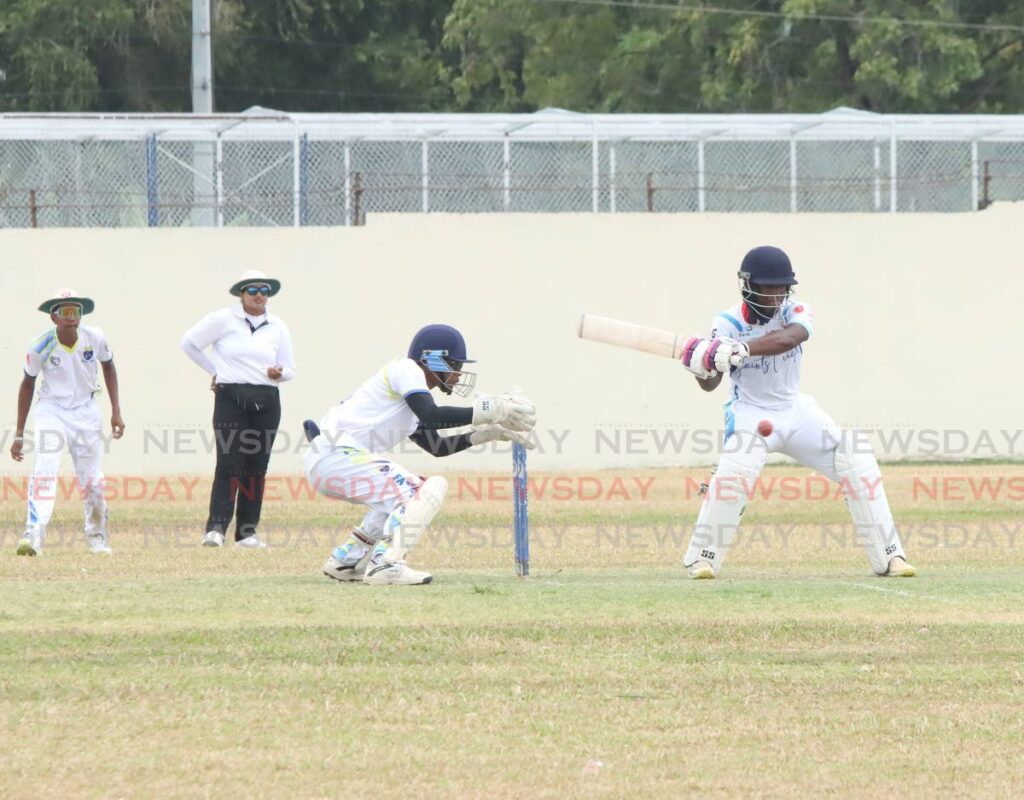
[631,336]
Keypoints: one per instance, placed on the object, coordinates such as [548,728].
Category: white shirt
[376,414]
[770,382]
[241,355]
[69,375]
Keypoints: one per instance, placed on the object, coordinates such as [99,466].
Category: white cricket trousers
[811,437]
[80,430]
[340,468]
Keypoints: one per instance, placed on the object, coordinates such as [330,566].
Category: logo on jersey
[87,354]
[55,360]
[798,309]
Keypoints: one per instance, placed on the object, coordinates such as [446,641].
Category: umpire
[251,354]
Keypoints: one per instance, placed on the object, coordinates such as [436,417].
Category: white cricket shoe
[340,571]
[30,545]
[702,570]
[97,543]
[899,568]
[250,542]
[213,539]
[395,574]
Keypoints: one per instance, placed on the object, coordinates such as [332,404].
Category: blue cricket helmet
[439,337]
[437,347]
[768,266]
[764,266]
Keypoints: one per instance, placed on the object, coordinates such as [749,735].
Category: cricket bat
[632,336]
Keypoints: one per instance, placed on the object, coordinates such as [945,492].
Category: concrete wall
[916,320]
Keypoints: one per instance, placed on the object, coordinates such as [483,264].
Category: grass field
[177,671]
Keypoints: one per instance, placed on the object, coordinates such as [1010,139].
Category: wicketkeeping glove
[513,413]
[496,433]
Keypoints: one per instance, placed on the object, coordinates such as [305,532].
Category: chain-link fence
[335,169]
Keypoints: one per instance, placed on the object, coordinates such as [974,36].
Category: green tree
[518,55]
[522,54]
[135,55]
[330,55]
[49,51]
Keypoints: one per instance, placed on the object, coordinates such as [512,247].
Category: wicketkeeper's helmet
[441,349]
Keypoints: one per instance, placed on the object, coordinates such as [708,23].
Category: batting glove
[730,354]
[699,356]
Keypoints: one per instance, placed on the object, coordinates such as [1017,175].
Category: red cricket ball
[764,427]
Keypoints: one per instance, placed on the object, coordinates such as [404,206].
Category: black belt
[260,386]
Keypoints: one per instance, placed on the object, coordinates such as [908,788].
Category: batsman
[393,405]
[759,343]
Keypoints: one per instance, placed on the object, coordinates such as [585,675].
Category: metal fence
[268,168]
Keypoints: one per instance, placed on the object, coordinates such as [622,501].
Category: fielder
[759,342]
[67,415]
[391,406]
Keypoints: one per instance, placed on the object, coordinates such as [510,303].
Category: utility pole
[202,58]
[203,181]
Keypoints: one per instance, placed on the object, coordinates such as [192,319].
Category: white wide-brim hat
[251,276]
[65,297]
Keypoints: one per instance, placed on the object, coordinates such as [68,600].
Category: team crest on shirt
[55,360]
[87,354]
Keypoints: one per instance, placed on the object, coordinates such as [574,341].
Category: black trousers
[245,422]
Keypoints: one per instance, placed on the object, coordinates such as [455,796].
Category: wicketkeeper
[393,405]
